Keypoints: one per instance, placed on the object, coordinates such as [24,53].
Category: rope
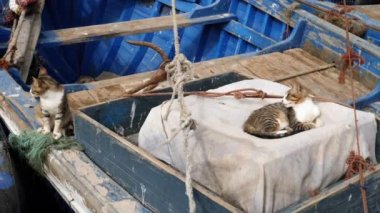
[178,73]
[355,160]
[339,11]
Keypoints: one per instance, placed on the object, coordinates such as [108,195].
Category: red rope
[26,3]
[355,161]
[349,58]
[10,16]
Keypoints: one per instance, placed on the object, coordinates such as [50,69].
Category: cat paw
[45,131]
[310,126]
[39,130]
[288,129]
[57,135]
[318,122]
[280,132]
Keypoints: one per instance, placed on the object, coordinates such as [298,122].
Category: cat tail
[267,135]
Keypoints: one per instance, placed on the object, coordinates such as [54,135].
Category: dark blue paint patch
[151,185]
[6,181]
[115,192]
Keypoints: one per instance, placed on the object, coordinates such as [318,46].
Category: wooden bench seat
[275,66]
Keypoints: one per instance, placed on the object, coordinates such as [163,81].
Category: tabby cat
[297,112]
[53,110]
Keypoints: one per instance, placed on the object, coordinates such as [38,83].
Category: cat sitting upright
[53,110]
[297,112]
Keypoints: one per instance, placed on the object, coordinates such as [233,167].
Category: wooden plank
[343,197]
[325,83]
[155,183]
[106,31]
[270,66]
[371,11]
[34,23]
[248,34]
[80,182]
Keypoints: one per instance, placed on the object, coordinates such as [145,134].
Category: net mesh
[35,147]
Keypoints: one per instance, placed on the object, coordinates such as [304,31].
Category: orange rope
[356,164]
[355,161]
[348,58]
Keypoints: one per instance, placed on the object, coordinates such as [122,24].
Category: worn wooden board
[84,186]
[270,66]
[344,197]
[104,31]
[371,11]
[157,185]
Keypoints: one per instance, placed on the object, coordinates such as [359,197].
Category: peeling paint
[143,190]
[6,180]
[13,95]
[72,197]
[132,114]
[331,40]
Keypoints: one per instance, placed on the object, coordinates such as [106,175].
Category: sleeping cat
[53,110]
[297,112]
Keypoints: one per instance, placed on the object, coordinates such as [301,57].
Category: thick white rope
[178,73]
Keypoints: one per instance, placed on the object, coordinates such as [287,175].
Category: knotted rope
[178,73]
[355,161]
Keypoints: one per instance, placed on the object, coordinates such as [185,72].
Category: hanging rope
[355,161]
[178,73]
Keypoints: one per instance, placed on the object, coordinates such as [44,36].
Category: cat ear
[294,85]
[35,81]
[43,71]
[304,91]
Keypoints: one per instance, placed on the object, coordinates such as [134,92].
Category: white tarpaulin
[258,175]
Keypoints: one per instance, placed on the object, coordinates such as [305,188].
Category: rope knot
[356,163]
[238,95]
[348,59]
[261,94]
[188,123]
[179,70]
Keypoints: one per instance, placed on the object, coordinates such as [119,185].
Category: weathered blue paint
[9,197]
[153,186]
[6,180]
[218,7]
[328,42]
[17,94]
[258,27]
[23,104]
[371,35]
[67,63]
[249,35]
[371,97]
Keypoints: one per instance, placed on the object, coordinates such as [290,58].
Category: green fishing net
[35,147]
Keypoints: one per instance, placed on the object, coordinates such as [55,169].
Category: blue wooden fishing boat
[363,14]
[251,39]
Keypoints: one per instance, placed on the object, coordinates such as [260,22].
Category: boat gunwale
[130,146]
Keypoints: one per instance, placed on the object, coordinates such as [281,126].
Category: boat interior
[248,37]
[225,40]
